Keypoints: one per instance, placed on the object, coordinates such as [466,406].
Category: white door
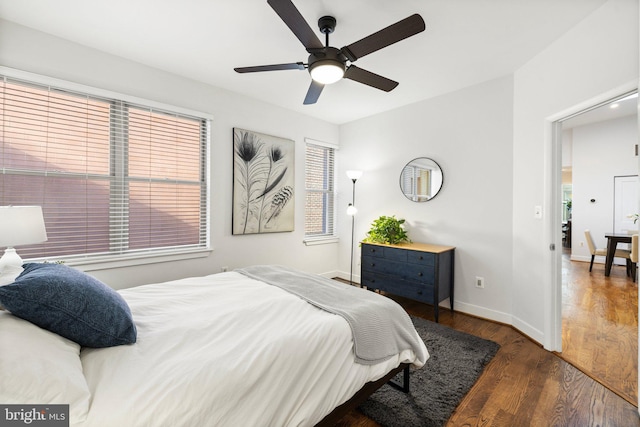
[625,203]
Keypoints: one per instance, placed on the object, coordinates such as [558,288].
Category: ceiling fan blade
[296,23]
[368,78]
[276,67]
[313,93]
[392,34]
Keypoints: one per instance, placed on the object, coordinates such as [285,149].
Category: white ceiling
[616,108]
[466,42]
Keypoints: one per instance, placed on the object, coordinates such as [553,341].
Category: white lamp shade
[351,210]
[21,225]
[353,174]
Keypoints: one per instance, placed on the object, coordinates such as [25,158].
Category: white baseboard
[330,274]
[342,275]
[587,258]
[597,260]
[499,316]
[528,330]
[485,313]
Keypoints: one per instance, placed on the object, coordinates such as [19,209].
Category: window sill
[115,261]
[320,241]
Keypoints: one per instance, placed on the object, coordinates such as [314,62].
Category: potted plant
[387,229]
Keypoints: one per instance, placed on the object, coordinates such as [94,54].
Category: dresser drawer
[414,272]
[372,251]
[424,258]
[404,288]
[379,265]
[393,254]
[419,273]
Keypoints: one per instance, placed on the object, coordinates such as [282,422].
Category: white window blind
[408,181]
[112,177]
[320,193]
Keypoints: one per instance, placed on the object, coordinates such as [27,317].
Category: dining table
[612,243]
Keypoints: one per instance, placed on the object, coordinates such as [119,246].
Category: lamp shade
[21,225]
[351,210]
[353,174]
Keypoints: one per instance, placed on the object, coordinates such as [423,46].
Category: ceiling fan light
[326,71]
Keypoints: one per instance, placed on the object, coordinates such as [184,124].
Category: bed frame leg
[404,387]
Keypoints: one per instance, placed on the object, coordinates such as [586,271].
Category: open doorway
[599,312]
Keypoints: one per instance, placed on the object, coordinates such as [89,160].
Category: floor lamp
[352,211]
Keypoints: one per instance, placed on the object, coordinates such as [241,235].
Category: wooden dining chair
[634,256]
[620,253]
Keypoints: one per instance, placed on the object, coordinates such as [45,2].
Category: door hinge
[552,247]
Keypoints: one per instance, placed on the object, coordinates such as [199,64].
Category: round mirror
[421,179]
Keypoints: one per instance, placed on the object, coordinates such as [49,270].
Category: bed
[226,349]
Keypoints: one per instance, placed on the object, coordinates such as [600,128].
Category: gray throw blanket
[380,327]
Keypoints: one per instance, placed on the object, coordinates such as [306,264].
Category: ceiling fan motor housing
[326,56]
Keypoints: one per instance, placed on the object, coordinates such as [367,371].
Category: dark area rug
[455,363]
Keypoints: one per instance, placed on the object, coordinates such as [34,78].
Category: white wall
[600,152]
[492,139]
[28,50]
[595,57]
[469,133]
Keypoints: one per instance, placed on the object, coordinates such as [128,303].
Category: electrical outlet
[223,269]
[581,244]
[479,282]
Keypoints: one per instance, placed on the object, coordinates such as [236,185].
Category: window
[112,177]
[320,193]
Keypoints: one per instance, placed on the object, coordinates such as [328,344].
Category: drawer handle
[420,274]
[373,264]
[373,250]
[421,257]
[419,292]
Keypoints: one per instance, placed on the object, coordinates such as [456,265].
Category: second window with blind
[319,221]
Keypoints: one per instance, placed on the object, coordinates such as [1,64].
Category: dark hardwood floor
[525,385]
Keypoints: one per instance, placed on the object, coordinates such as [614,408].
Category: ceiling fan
[327,64]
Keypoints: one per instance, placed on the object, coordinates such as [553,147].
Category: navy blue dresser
[417,271]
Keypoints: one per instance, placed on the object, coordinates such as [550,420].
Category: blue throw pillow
[70,303]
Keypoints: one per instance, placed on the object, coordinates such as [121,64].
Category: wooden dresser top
[415,246]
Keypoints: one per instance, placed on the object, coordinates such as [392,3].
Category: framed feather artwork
[263,183]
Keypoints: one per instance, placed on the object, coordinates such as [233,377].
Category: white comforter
[225,350]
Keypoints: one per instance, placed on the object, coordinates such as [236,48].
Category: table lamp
[19,225]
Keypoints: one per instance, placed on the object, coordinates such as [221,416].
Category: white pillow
[40,367]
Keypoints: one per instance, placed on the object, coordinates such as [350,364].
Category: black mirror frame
[437,192]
